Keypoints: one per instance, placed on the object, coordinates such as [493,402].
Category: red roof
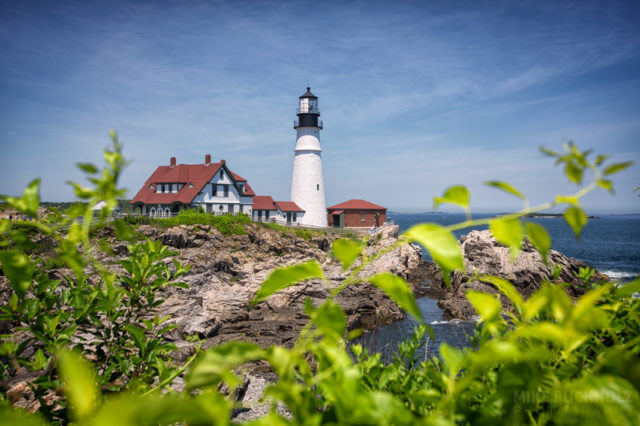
[288,206]
[193,176]
[248,191]
[356,205]
[263,202]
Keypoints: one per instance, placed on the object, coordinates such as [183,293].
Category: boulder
[484,255]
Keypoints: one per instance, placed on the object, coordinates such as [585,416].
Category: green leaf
[29,202]
[346,251]
[617,167]
[399,291]
[17,268]
[330,318]
[626,290]
[560,199]
[576,219]
[540,239]
[573,171]
[82,192]
[600,159]
[606,184]
[548,152]
[11,416]
[509,233]
[506,187]
[138,336]
[286,277]
[507,289]
[87,168]
[79,384]
[487,305]
[217,363]
[123,231]
[457,194]
[453,358]
[76,210]
[442,247]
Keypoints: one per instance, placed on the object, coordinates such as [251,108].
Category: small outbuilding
[265,209]
[356,214]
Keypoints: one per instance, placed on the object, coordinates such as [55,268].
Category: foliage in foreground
[552,360]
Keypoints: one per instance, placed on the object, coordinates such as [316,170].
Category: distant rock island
[552,215]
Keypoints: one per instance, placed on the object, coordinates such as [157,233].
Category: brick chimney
[172,162]
[207,159]
[223,161]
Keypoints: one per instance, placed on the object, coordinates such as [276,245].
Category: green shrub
[550,360]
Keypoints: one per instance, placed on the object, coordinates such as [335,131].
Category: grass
[227,224]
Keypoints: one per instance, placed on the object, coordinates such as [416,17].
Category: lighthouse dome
[308,94]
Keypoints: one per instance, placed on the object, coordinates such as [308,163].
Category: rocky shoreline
[484,255]
[226,271]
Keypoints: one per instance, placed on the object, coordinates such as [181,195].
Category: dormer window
[152,187]
[190,185]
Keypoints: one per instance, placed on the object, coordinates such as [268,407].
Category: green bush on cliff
[552,360]
[227,224]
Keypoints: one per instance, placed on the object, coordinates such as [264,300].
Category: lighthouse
[307,185]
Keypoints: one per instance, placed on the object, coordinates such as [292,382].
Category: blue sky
[415,96]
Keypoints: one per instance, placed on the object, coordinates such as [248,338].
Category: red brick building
[356,214]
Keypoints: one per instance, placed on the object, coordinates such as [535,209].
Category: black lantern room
[308,111]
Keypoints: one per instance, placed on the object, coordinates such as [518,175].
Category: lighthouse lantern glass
[313,105]
[304,105]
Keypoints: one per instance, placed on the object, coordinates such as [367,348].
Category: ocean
[609,243]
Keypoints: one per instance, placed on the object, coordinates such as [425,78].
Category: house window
[162,188]
[226,190]
[230,208]
[241,208]
[295,216]
[266,214]
[221,174]
[362,217]
[208,207]
[221,207]
[214,189]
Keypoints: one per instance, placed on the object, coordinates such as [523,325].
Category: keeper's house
[356,214]
[211,186]
[282,212]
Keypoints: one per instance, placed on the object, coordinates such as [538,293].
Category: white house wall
[206,196]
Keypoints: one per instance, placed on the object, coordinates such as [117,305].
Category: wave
[620,275]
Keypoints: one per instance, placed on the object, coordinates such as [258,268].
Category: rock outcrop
[226,272]
[484,255]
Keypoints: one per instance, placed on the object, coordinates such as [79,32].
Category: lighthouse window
[318,187]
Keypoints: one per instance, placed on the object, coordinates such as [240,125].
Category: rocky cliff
[226,271]
[484,255]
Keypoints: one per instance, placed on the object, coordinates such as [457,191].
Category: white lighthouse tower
[307,186]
